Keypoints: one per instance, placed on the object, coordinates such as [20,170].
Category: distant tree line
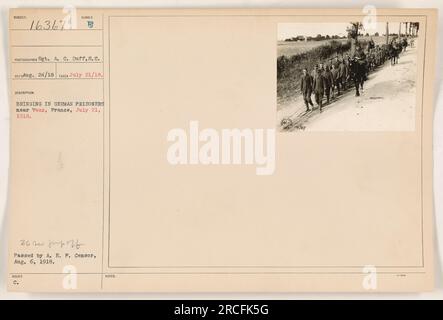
[353,32]
[318,37]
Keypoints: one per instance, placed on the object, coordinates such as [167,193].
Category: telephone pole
[387,32]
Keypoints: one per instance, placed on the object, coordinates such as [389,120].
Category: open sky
[288,30]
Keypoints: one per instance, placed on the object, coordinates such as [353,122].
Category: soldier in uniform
[335,80]
[371,60]
[347,63]
[384,53]
[371,44]
[318,86]
[394,51]
[314,71]
[328,82]
[360,56]
[336,62]
[329,64]
[404,43]
[306,83]
[342,75]
[377,56]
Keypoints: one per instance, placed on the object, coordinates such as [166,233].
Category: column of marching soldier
[330,79]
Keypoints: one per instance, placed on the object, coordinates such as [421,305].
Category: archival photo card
[221,150]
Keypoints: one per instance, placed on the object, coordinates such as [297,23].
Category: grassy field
[290,48]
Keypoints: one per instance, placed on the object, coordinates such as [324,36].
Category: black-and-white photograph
[347,76]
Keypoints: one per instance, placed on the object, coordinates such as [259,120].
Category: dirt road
[387,103]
